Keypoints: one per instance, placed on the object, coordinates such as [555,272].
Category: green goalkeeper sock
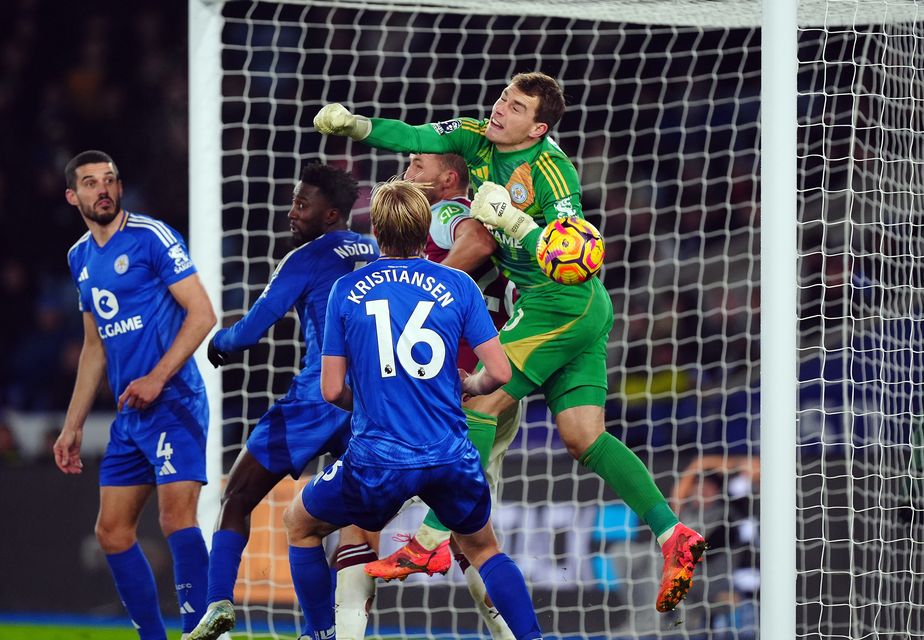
[481,430]
[625,474]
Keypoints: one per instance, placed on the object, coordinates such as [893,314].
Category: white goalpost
[778,323]
[756,171]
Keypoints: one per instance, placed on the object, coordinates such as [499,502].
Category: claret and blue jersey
[398,322]
[302,280]
[136,315]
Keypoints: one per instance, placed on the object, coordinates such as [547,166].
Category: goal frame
[204,33]
[778,255]
[779,387]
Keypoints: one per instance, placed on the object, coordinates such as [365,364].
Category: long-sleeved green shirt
[541,181]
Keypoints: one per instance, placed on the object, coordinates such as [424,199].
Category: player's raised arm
[90,371]
[460,135]
[200,318]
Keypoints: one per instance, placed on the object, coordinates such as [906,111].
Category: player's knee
[578,431]
[114,538]
[293,518]
[479,547]
[576,448]
[480,555]
[174,519]
[576,441]
[236,506]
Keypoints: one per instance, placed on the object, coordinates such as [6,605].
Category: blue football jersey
[125,285]
[303,279]
[398,323]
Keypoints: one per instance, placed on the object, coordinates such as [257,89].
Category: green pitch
[38,632]
[55,632]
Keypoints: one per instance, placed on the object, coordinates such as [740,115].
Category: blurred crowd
[109,75]
[114,78]
[668,169]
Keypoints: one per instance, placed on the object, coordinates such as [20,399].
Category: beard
[102,217]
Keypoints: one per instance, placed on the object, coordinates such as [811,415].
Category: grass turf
[59,632]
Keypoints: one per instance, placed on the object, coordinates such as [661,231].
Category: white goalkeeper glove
[492,207]
[334,119]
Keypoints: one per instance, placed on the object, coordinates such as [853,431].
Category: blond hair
[400,215]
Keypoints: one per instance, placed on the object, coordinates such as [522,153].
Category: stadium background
[108,75]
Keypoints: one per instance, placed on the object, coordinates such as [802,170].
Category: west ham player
[395,326]
[458,241]
[144,314]
[523,180]
[300,426]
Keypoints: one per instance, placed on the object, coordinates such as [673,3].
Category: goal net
[859,526]
[663,127]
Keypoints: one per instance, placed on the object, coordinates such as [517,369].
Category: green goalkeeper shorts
[556,341]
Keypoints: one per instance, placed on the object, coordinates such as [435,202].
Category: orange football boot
[681,552]
[411,558]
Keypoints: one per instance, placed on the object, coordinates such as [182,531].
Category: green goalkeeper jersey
[541,181]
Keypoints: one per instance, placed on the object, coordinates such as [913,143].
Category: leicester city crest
[121,264]
[518,193]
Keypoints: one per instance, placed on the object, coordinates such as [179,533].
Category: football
[570,250]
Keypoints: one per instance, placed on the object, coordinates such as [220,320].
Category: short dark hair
[551,99]
[85,157]
[455,162]
[338,186]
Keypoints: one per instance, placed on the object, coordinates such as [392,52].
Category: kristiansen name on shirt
[428,283]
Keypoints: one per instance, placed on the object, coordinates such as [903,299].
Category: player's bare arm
[472,246]
[333,382]
[496,372]
[200,318]
[90,371]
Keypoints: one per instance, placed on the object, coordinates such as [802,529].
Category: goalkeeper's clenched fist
[334,119]
[492,206]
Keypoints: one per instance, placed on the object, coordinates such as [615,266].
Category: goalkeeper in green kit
[556,336]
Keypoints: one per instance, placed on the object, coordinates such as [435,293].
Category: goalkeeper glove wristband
[334,119]
[492,206]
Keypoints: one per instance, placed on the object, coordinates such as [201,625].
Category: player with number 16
[394,327]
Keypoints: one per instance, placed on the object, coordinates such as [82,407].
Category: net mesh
[859,503]
[663,127]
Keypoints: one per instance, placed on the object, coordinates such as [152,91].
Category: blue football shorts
[294,432]
[164,443]
[370,497]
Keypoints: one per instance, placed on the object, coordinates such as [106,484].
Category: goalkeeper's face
[513,123]
[311,213]
[98,194]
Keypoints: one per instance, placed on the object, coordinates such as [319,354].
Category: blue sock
[507,589]
[307,627]
[135,583]
[333,586]
[191,571]
[311,577]
[224,563]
